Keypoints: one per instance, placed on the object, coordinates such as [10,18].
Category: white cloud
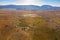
[28,2]
[34,2]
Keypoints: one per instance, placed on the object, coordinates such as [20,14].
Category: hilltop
[29,7]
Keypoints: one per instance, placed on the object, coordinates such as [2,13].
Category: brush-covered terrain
[29,25]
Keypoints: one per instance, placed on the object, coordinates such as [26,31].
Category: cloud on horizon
[31,2]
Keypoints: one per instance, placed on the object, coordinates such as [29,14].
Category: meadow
[29,25]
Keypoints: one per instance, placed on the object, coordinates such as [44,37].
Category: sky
[30,2]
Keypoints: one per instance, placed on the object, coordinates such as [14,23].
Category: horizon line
[30,4]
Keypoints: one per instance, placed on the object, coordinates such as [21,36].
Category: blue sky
[31,2]
[51,2]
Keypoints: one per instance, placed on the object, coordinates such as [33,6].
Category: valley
[29,25]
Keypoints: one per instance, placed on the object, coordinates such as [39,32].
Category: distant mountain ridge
[29,7]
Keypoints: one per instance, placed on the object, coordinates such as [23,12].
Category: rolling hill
[29,7]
